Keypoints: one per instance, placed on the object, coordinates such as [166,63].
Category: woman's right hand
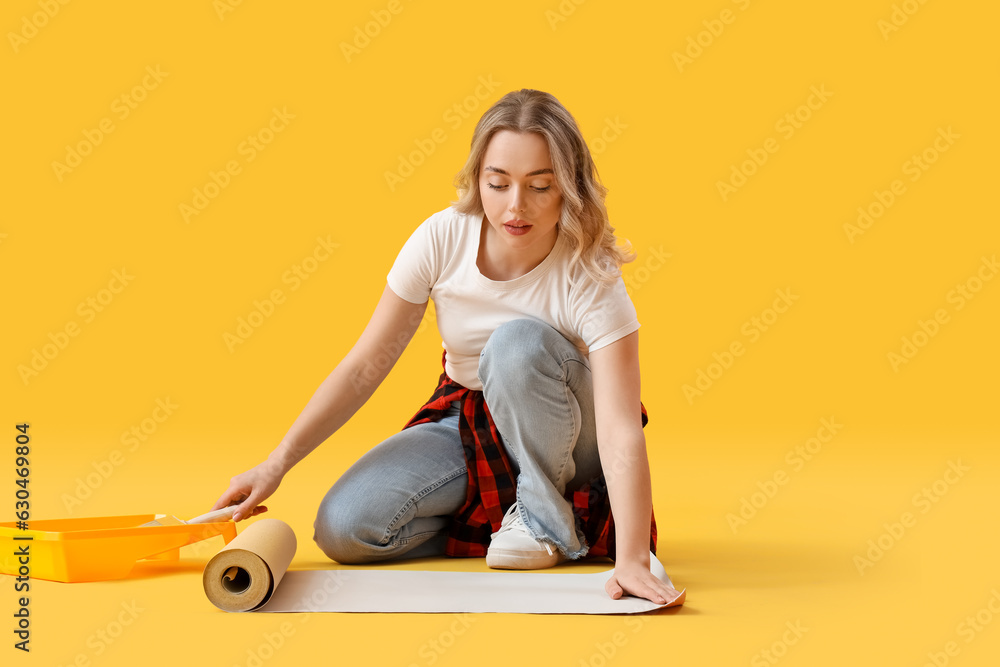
[251,488]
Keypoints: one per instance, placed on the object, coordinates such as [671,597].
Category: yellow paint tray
[98,548]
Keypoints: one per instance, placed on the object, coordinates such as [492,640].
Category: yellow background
[680,130]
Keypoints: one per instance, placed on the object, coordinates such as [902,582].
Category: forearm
[341,394]
[626,469]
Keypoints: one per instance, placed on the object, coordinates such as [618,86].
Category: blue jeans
[397,499]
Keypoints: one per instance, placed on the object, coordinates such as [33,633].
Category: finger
[666,590]
[652,594]
[613,589]
[653,589]
[648,588]
[246,508]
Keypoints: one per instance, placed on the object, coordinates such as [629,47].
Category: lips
[517,223]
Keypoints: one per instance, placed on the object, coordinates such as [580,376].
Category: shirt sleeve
[416,268]
[606,314]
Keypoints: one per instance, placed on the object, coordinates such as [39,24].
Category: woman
[534,432]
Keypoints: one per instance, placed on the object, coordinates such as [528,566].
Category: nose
[517,201]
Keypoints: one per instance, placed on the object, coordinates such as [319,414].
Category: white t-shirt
[438,261]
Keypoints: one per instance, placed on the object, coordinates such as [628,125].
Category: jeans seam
[409,539]
[570,396]
[417,496]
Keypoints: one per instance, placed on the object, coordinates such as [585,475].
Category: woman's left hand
[635,579]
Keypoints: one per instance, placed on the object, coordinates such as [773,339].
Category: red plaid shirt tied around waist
[492,489]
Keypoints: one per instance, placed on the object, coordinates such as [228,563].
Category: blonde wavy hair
[584,218]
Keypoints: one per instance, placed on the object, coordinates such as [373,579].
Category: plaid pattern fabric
[492,488]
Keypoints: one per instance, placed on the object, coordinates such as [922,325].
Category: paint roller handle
[225,514]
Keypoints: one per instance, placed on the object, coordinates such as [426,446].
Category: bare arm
[622,446]
[341,394]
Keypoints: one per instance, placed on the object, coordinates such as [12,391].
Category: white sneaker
[512,548]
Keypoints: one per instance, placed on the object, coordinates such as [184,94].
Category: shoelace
[512,521]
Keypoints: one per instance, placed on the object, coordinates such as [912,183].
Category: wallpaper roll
[247,571]
[245,576]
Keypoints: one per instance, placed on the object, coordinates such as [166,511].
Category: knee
[339,531]
[514,346]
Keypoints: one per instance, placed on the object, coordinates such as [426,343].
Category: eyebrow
[537,172]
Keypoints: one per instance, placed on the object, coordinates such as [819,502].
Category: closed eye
[501,187]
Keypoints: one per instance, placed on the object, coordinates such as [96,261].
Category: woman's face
[518,186]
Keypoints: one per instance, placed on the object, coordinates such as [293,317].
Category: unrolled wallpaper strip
[245,576]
